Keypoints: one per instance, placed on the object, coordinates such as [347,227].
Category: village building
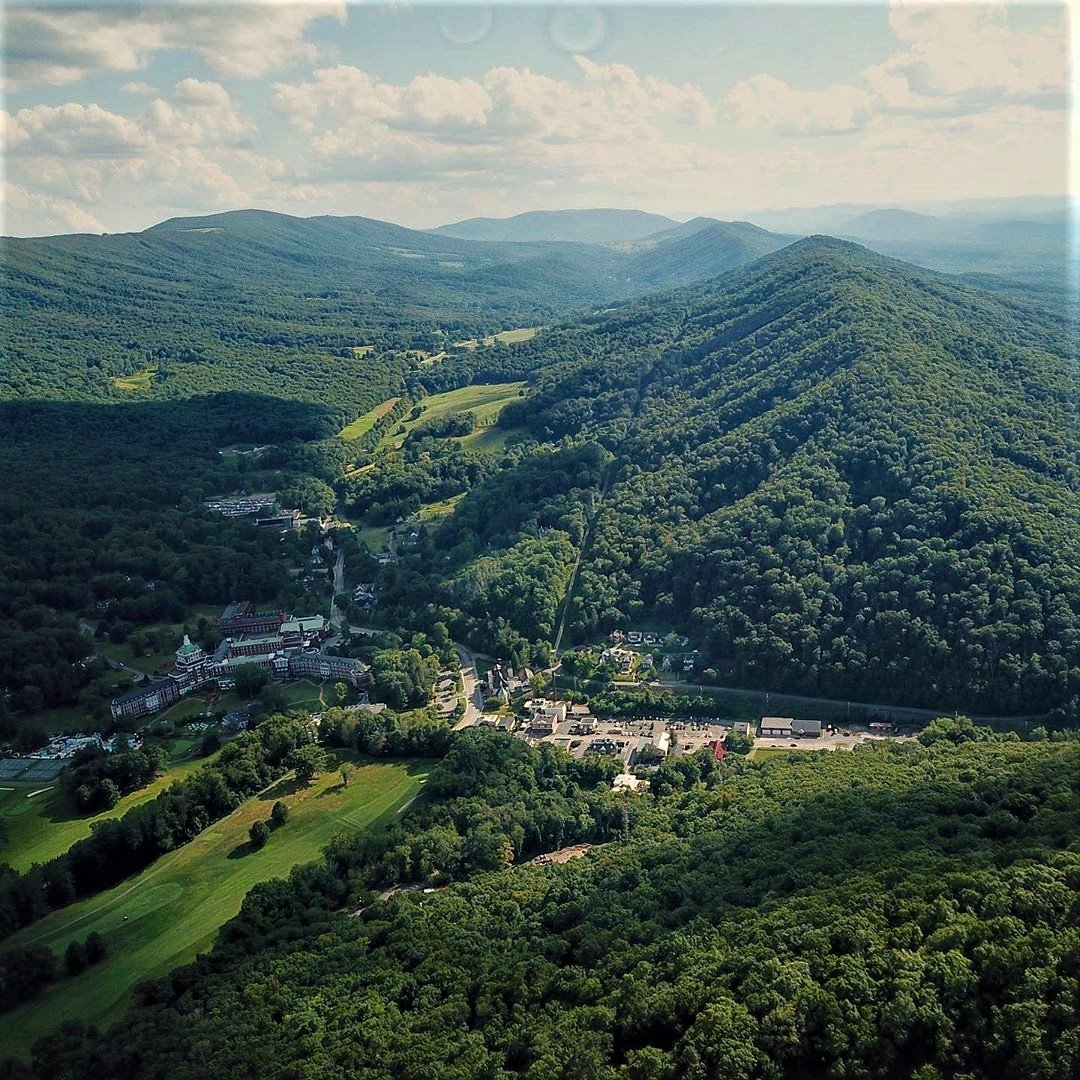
[290,651]
[775,726]
[782,727]
[242,618]
[545,716]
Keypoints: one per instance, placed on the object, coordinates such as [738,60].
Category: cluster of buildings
[641,741]
[576,730]
[641,637]
[288,647]
[365,595]
[61,747]
[502,681]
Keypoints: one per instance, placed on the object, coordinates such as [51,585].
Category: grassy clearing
[436,511]
[508,337]
[377,537]
[150,662]
[173,910]
[139,382]
[363,424]
[485,400]
[487,440]
[762,753]
[360,351]
[42,827]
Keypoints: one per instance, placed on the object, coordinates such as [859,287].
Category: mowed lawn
[173,910]
[43,825]
[508,337]
[485,400]
[363,424]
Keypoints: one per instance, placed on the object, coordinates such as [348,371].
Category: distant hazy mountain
[582,226]
[900,225]
[832,218]
[710,249]
[1032,254]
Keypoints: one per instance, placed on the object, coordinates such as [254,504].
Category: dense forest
[896,911]
[843,475]
[103,514]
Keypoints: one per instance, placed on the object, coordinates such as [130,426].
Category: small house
[777,727]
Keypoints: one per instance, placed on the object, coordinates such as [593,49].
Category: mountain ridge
[810,447]
[602,225]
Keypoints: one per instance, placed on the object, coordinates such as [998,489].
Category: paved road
[473,703]
[838,741]
[473,698]
[88,630]
[337,616]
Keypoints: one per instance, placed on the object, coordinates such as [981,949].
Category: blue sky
[117,117]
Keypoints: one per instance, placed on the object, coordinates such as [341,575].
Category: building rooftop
[141,691]
[188,650]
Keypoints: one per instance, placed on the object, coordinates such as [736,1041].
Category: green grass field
[45,825]
[431,512]
[139,382]
[150,662]
[173,910]
[363,424]
[375,536]
[483,399]
[486,440]
[508,337]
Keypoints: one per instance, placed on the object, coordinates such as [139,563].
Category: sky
[116,117]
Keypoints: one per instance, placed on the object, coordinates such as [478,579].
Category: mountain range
[85,310]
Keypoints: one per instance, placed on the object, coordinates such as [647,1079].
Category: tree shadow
[242,851]
[283,789]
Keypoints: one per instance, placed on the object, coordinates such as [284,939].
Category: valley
[583,512]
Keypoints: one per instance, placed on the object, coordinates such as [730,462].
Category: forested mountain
[585,226]
[889,913]
[257,301]
[845,475]
[687,255]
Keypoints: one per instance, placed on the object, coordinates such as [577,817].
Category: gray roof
[141,692]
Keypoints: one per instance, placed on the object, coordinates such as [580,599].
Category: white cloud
[62,45]
[139,88]
[189,149]
[72,131]
[510,122]
[32,211]
[766,101]
[953,60]
[200,113]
